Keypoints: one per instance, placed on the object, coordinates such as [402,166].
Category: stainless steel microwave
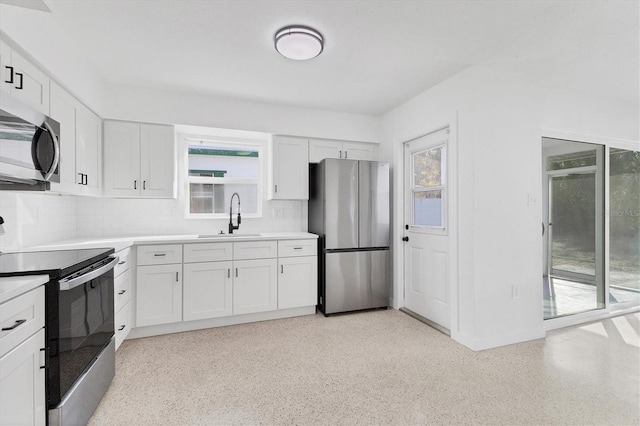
[29,147]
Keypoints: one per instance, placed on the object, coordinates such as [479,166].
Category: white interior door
[426,235]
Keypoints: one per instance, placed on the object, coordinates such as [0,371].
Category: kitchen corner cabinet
[319,149]
[81,145]
[289,170]
[159,284]
[23,80]
[139,160]
[22,374]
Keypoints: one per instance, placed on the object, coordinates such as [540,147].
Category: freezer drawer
[356,280]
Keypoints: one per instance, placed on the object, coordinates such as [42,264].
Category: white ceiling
[377,55]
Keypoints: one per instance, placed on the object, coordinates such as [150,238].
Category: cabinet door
[122,159]
[157,167]
[5,67]
[123,322]
[30,84]
[22,391]
[297,282]
[89,149]
[320,149]
[255,286]
[207,290]
[158,294]
[289,169]
[63,110]
[358,151]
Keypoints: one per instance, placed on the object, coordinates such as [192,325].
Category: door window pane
[624,226]
[427,208]
[427,167]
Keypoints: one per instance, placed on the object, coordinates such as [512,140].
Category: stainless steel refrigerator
[349,210]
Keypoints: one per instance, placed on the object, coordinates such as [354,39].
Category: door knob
[405,239]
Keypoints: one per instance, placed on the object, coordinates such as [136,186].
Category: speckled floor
[380,367]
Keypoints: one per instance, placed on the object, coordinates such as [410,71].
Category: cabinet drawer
[123,263]
[291,248]
[123,324]
[122,288]
[207,252]
[255,250]
[161,254]
[24,315]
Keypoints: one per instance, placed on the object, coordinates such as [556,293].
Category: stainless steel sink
[227,235]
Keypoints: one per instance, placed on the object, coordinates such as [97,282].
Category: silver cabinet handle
[144,185]
[276,189]
[122,292]
[177,279]
[122,327]
[159,254]
[297,248]
[228,273]
[282,269]
[122,262]
[340,154]
[345,154]
[236,272]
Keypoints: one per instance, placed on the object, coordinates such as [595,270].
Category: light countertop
[11,287]
[122,242]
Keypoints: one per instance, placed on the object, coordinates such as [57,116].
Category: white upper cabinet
[23,80]
[81,145]
[319,149]
[157,161]
[289,170]
[139,160]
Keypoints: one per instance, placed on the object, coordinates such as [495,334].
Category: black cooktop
[56,264]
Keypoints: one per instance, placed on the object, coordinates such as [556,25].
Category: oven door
[82,326]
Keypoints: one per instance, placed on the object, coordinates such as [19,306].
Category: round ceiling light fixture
[298,42]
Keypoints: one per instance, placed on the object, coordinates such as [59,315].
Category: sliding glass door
[573,279]
[624,226]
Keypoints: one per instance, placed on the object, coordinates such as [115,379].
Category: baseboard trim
[179,327]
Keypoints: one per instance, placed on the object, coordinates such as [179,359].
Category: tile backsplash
[104,217]
[39,218]
[36,218]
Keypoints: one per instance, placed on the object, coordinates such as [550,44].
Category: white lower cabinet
[124,319]
[158,294]
[22,384]
[297,281]
[208,290]
[206,280]
[255,286]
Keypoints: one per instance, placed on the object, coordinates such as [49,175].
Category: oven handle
[69,284]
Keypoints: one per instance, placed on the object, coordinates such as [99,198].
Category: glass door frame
[609,309]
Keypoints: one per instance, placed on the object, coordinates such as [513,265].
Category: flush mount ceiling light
[298,42]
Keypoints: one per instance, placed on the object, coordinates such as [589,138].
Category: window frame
[230,142]
[430,189]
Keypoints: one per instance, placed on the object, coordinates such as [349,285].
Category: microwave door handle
[56,152]
[75,282]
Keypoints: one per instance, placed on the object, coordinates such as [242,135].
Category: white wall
[499,118]
[156,106]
